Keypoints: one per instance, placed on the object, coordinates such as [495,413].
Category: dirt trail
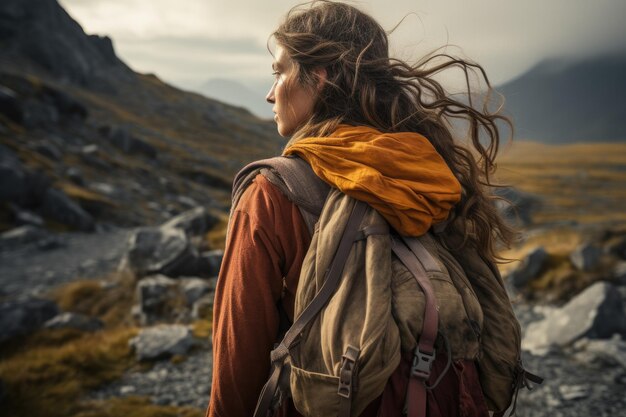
[36,267]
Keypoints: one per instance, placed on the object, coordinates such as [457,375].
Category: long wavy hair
[364,86]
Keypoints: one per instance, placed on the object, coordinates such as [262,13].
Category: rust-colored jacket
[266,244]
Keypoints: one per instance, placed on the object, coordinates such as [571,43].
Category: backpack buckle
[346,373]
[422,363]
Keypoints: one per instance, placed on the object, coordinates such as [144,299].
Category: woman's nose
[270,95]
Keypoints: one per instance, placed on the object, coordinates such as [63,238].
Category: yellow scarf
[401,175]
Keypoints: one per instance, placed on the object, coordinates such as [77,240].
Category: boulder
[154,295]
[38,113]
[75,175]
[20,317]
[48,150]
[585,257]
[574,392]
[195,288]
[611,352]
[209,263]
[10,105]
[163,250]
[20,236]
[74,321]
[616,246]
[194,222]
[517,206]
[595,313]
[203,308]
[17,184]
[59,207]
[162,341]
[25,217]
[529,267]
[123,140]
[619,273]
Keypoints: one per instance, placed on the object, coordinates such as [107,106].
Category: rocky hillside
[85,142]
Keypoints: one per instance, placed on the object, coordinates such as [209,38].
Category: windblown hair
[364,86]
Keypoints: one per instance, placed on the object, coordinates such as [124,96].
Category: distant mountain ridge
[237,94]
[564,101]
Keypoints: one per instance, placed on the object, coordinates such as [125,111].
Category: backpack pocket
[314,394]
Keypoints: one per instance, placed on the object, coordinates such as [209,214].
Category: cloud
[208,38]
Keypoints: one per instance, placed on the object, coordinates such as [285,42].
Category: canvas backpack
[367,294]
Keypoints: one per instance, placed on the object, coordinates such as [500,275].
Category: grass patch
[202,329]
[48,379]
[111,304]
[216,237]
[136,407]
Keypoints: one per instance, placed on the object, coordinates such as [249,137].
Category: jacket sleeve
[250,283]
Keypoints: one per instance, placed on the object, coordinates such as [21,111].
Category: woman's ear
[321,75]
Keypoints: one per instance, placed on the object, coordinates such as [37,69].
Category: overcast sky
[187,42]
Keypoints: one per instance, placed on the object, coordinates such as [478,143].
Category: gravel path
[36,267]
[184,384]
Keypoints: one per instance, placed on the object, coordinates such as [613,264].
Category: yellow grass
[48,379]
[581,182]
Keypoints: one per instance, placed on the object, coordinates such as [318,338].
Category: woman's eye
[276,74]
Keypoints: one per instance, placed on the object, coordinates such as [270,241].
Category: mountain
[79,128]
[234,93]
[560,100]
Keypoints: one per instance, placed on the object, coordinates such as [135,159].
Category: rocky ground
[34,266]
[583,361]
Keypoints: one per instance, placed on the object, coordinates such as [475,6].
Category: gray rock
[18,184]
[203,308]
[619,273]
[611,352]
[75,175]
[74,321]
[209,263]
[59,207]
[20,236]
[25,217]
[48,150]
[194,222]
[38,113]
[616,246]
[194,289]
[529,267]
[89,149]
[187,201]
[103,188]
[586,257]
[153,294]
[123,140]
[164,250]
[595,313]
[162,341]
[10,105]
[574,392]
[20,317]
[518,206]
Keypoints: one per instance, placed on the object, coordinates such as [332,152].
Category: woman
[377,129]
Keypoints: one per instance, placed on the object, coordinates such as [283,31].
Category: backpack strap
[294,177]
[333,277]
[418,261]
